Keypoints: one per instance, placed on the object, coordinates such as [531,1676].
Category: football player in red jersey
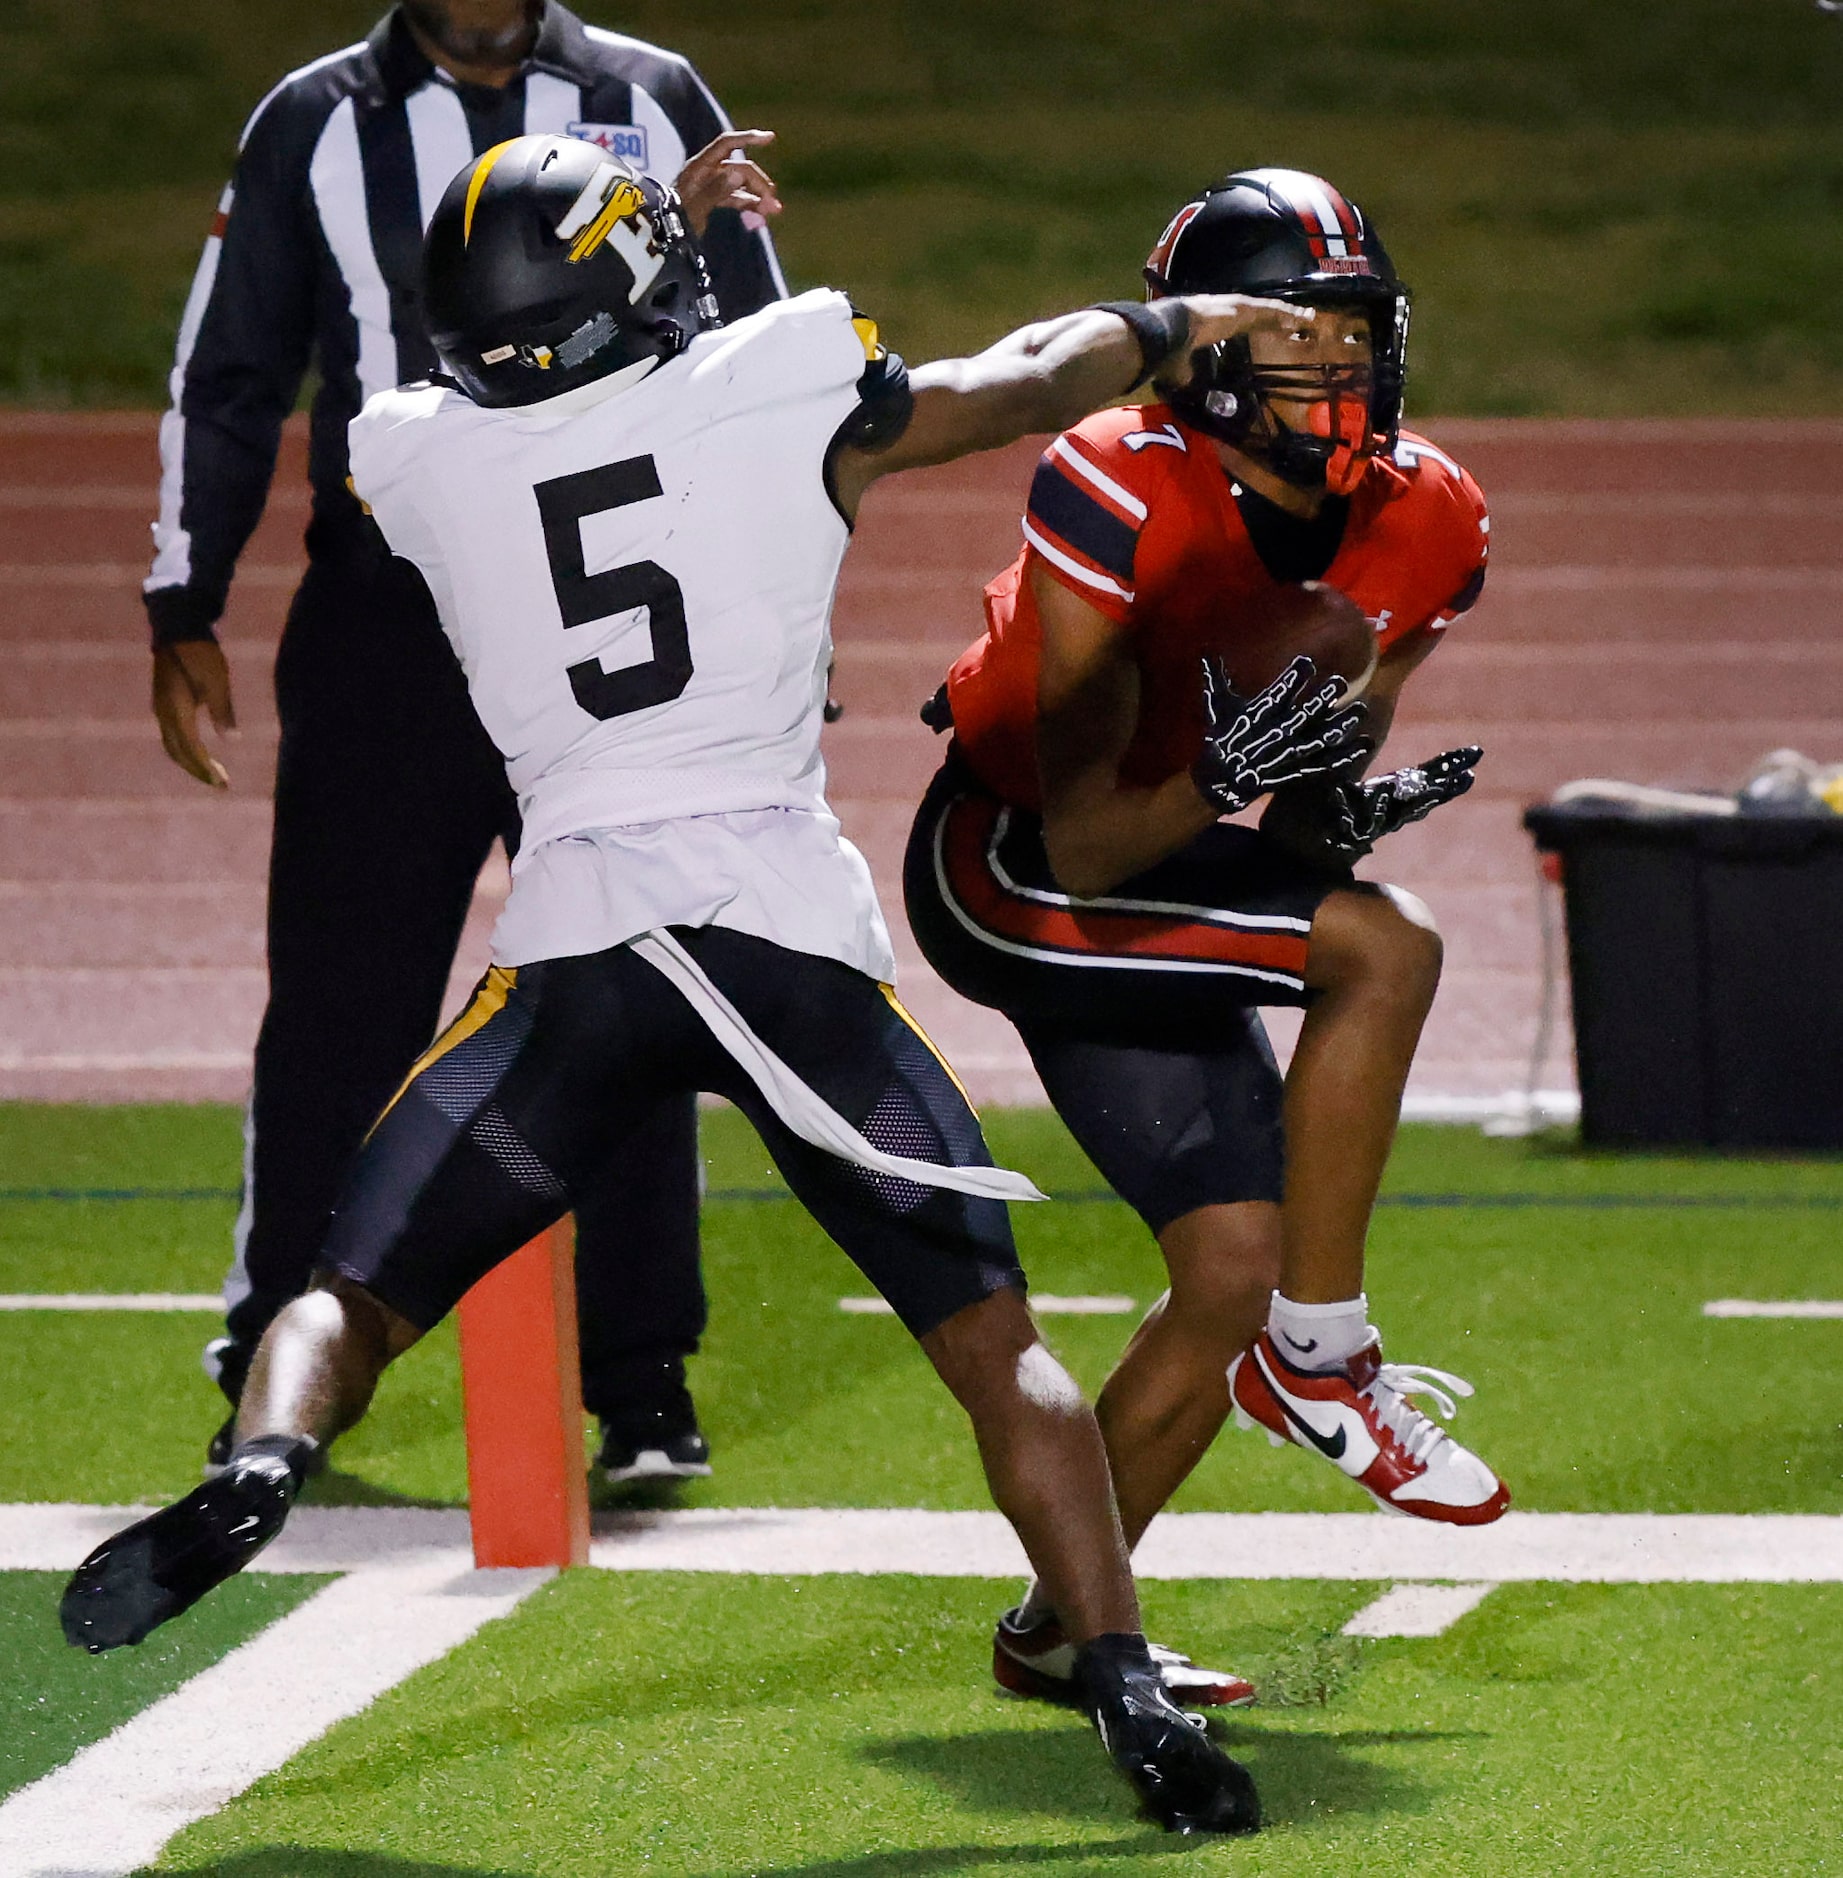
[1070,865]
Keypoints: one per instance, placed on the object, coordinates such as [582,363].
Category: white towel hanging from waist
[804,1111]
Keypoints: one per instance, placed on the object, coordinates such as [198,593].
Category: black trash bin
[1706,954]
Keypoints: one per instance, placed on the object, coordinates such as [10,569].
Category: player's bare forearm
[1096,830]
[1098,833]
[1043,377]
[1383,693]
[1040,378]
[1378,721]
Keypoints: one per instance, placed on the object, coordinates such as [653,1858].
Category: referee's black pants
[388,796]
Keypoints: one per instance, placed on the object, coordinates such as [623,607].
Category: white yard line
[112,1301]
[1044,1303]
[1547,1108]
[1565,1548]
[55,1536]
[111,1809]
[1611,1548]
[1766,1307]
[1417,1610]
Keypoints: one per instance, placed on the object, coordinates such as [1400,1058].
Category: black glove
[1285,734]
[1339,823]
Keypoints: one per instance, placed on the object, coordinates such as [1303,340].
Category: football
[1262,637]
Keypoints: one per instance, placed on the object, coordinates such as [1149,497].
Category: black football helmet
[550,264]
[1288,236]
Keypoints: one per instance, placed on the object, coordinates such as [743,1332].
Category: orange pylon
[521,1385]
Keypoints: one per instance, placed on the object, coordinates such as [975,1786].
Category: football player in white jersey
[631,521]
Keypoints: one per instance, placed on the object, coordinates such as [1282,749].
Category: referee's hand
[723,176]
[188,673]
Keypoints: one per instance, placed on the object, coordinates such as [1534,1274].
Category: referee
[388,794]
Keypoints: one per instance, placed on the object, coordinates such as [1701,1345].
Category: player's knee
[315,1317]
[1416,948]
[1222,1295]
[990,1356]
[1378,934]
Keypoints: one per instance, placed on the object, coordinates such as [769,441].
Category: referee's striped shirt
[315,258]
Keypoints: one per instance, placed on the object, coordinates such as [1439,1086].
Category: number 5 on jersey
[583,598]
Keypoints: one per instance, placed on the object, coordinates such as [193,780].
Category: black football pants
[532,1091]
[388,796]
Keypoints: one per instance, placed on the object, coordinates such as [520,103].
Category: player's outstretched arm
[1045,377]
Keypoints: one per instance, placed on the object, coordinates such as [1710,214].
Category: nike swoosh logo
[1330,1446]
[1304,1349]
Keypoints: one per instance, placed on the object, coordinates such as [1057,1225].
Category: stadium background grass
[1604,210]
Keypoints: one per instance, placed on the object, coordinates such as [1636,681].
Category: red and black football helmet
[549,264]
[1288,236]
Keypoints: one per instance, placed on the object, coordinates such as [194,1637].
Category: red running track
[1664,606]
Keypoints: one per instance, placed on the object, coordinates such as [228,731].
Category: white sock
[1319,1336]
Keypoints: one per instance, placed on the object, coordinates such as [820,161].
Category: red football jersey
[1132,510]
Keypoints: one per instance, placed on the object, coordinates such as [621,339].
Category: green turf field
[844,1728]
[832,1728]
[1554,1288]
[1603,209]
[54,1701]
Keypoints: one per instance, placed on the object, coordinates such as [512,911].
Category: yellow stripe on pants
[486,1004]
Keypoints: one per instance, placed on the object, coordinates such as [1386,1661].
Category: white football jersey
[637,578]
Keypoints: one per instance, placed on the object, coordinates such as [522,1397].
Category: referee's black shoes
[652,1435]
[1184,1781]
[162,1565]
[662,1447]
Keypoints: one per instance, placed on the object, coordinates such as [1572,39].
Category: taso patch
[626,141]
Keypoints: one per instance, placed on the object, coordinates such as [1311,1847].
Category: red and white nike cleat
[1360,1419]
[1038,1660]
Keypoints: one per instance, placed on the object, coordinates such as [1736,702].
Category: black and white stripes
[315,257]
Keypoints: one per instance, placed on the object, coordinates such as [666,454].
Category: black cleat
[162,1565]
[1184,1781]
[658,1441]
